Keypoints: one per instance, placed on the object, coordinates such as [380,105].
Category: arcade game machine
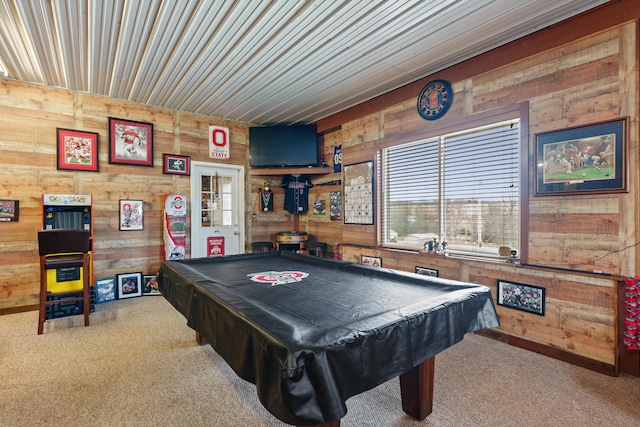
[67,211]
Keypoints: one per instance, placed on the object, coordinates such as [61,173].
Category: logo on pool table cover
[278,277]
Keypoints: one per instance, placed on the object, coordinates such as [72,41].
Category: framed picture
[335,205]
[371,261]
[105,290]
[176,165]
[426,271]
[77,150]
[358,193]
[130,142]
[9,210]
[319,207]
[131,215]
[129,285]
[527,298]
[586,159]
[150,285]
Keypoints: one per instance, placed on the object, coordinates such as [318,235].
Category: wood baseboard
[555,353]
[22,309]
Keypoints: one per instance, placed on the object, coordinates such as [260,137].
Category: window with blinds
[459,191]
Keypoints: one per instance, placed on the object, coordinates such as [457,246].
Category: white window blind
[462,189]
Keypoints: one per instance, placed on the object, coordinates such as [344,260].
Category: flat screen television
[283,146]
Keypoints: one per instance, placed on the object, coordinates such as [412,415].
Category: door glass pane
[207,201]
[216,197]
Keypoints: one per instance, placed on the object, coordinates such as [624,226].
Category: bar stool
[64,248]
[261,247]
[317,249]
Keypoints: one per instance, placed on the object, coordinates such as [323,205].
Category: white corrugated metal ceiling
[256,61]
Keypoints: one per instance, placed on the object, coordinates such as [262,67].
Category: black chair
[64,248]
[261,247]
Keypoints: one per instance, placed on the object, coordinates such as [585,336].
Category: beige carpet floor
[138,365]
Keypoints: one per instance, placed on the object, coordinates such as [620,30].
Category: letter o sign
[218,142]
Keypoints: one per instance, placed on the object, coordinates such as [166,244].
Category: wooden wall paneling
[29,115]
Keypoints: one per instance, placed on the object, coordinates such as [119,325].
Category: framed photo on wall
[586,159]
[358,193]
[176,165]
[9,210]
[372,261]
[77,150]
[130,142]
[426,271]
[129,285]
[522,297]
[131,215]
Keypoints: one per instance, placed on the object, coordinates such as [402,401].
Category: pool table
[311,332]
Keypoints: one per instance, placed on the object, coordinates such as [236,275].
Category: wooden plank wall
[29,116]
[591,80]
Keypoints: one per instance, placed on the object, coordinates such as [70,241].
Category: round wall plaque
[435,99]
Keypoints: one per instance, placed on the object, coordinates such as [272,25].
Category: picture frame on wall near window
[358,193]
[77,150]
[586,159]
[130,142]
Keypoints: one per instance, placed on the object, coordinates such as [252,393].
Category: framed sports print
[105,290]
[130,142]
[77,150]
[9,210]
[150,285]
[586,159]
[131,215]
[372,261]
[176,165]
[358,193]
[522,297]
[426,271]
[129,285]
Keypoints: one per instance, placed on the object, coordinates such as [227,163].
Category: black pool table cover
[309,343]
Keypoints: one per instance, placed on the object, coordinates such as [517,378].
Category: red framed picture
[176,165]
[130,142]
[77,150]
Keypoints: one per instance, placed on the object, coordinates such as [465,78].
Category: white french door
[217,209]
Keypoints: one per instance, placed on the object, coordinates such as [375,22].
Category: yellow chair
[64,248]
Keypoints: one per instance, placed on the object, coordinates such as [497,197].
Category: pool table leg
[200,339]
[333,424]
[416,389]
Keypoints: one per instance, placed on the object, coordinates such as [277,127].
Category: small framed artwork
[335,206]
[150,285]
[587,159]
[131,215]
[372,261]
[9,210]
[105,290]
[77,150]
[426,271]
[527,298]
[130,142]
[319,207]
[129,285]
[176,165]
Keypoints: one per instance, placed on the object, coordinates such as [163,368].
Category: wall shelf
[290,171]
